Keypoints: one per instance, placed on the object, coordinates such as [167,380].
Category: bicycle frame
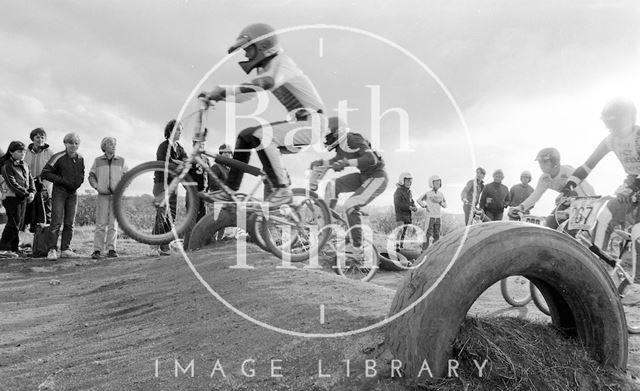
[587,238]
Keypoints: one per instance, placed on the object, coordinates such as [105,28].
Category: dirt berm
[80,325]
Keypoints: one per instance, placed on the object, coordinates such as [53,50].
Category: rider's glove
[339,165]
[624,195]
[569,189]
[216,94]
[515,211]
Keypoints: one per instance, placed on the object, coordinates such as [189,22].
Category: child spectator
[19,190]
[495,197]
[38,211]
[172,150]
[521,191]
[471,194]
[105,173]
[433,201]
[404,206]
[66,171]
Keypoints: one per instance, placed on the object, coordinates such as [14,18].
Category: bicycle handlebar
[244,167]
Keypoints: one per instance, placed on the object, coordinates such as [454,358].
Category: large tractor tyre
[435,298]
[202,234]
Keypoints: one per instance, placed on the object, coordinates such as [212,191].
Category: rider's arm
[541,187]
[366,157]
[583,171]
[443,203]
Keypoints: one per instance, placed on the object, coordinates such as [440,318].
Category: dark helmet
[265,40]
[549,154]
[336,132]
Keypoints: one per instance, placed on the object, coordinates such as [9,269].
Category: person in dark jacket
[170,149]
[471,194]
[495,197]
[20,190]
[66,171]
[38,154]
[404,206]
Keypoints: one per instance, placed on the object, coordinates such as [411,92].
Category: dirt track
[104,325]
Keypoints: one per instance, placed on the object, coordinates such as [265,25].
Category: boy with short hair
[105,173]
[66,171]
[433,201]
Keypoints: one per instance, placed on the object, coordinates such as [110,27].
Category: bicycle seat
[624,235]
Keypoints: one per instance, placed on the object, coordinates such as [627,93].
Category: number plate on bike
[584,211]
[532,219]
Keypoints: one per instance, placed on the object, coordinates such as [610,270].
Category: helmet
[434,178]
[403,176]
[549,154]
[526,174]
[618,107]
[263,37]
[336,133]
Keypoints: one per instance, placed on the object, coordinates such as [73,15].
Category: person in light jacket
[105,173]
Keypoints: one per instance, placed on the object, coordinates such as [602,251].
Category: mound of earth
[156,324]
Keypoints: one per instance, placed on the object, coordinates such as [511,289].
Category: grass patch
[524,355]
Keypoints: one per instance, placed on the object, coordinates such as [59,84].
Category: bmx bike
[292,231]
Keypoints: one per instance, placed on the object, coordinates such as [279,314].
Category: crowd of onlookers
[488,202]
[39,192]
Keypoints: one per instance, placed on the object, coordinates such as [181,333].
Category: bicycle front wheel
[149,214]
[515,290]
[296,231]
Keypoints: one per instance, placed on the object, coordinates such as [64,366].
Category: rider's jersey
[354,146]
[556,183]
[293,89]
[627,149]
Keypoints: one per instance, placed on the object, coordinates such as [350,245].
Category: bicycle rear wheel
[296,231]
[358,268]
[515,290]
[140,204]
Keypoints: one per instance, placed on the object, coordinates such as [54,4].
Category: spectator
[66,171]
[38,154]
[404,206]
[199,175]
[222,172]
[169,149]
[521,191]
[471,194]
[105,173]
[433,201]
[495,197]
[19,190]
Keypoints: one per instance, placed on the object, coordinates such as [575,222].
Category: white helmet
[434,178]
[403,176]
[336,133]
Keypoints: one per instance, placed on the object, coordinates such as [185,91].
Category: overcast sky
[525,75]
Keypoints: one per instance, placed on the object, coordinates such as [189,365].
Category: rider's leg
[612,216]
[369,189]
[245,142]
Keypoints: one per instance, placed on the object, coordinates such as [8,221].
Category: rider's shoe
[353,251]
[220,196]
[281,196]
